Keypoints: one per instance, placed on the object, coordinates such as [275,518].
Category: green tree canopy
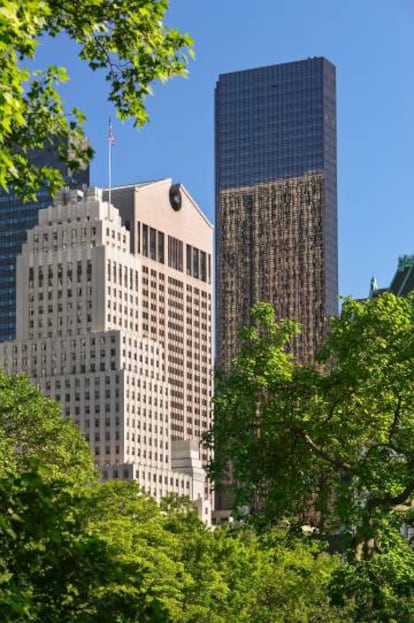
[32,428]
[71,548]
[331,442]
[236,575]
[127,39]
[76,550]
[378,589]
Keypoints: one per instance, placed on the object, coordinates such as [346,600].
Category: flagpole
[110,138]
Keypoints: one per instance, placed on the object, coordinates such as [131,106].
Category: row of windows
[197,263]
[56,274]
[152,244]
[117,273]
[97,381]
[125,474]
[111,234]
[73,369]
[64,235]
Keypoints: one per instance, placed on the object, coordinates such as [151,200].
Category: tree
[379,589]
[72,549]
[59,562]
[127,39]
[236,575]
[135,526]
[332,442]
[34,429]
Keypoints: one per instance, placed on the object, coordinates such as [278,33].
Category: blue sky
[371,42]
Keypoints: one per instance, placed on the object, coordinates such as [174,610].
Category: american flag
[111,137]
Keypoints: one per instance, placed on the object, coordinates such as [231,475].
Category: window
[203,266]
[161,247]
[195,263]
[152,243]
[175,253]
[139,237]
[145,240]
[188,262]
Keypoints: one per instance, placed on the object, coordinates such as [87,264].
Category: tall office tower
[120,338]
[16,218]
[276,205]
[173,240]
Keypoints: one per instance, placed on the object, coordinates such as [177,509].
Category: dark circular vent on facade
[175,197]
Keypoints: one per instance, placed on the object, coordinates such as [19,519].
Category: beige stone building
[114,321]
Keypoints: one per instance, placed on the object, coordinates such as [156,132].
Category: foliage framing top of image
[126,39]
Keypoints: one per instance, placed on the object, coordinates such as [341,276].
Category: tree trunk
[365,544]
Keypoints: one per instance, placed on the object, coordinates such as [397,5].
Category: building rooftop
[403,281]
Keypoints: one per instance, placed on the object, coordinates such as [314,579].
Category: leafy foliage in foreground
[75,550]
[331,444]
[379,589]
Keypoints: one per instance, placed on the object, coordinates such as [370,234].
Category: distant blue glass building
[16,218]
[276,199]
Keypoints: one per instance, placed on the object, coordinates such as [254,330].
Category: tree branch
[391,500]
[332,460]
[330,413]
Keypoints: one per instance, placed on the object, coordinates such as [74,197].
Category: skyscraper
[16,218]
[276,200]
[115,323]
[173,241]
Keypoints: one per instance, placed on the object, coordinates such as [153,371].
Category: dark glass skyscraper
[16,218]
[276,199]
